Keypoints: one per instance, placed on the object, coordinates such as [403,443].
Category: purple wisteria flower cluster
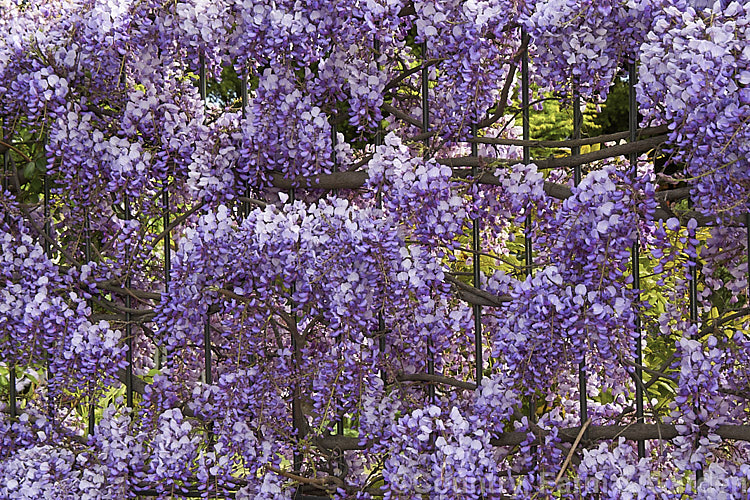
[695,76]
[582,45]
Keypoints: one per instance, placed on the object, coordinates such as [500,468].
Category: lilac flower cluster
[45,467]
[470,41]
[295,139]
[42,319]
[579,46]
[618,473]
[416,191]
[698,397]
[583,293]
[694,76]
[441,453]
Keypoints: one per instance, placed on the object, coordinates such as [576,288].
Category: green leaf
[28,170]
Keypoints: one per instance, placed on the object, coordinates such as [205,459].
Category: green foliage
[227,89]
[555,123]
[31,162]
[26,378]
[614,114]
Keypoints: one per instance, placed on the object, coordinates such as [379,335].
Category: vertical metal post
[207,324]
[635,258]
[476,268]
[526,127]
[12,388]
[202,78]
[207,349]
[167,238]
[207,373]
[694,318]
[129,341]
[425,129]
[577,124]
[47,218]
[296,407]
[525,117]
[87,254]
[48,253]
[379,205]
[167,253]
[244,101]
[128,320]
[334,142]
[11,361]
[576,150]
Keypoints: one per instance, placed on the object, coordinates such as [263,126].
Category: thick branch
[321,482]
[407,73]
[714,324]
[179,220]
[569,143]
[566,161]
[502,102]
[139,386]
[401,115]
[476,296]
[336,180]
[135,293]
[633,432]
[672,194]
[253,201]
[357,180]
[339,442]
[435,379]
[4,146]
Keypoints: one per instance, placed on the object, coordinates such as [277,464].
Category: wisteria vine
[277,270]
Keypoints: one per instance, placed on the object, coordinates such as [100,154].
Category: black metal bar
[167,255]
[635,258]
[128,323]
[202,77]
[525,117]
[296,407]
[335,192]
[207,361]
[694,319]
[87,254]
[12,389]
[526,131]
[48,252]
[207,349]
[693,296]
[207,322]
[379,205]
[583,402]
[577,124]
[693,292]
[476,268]
[167,242]
[244,100]
[425,128]
[11,362]
[47,218]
